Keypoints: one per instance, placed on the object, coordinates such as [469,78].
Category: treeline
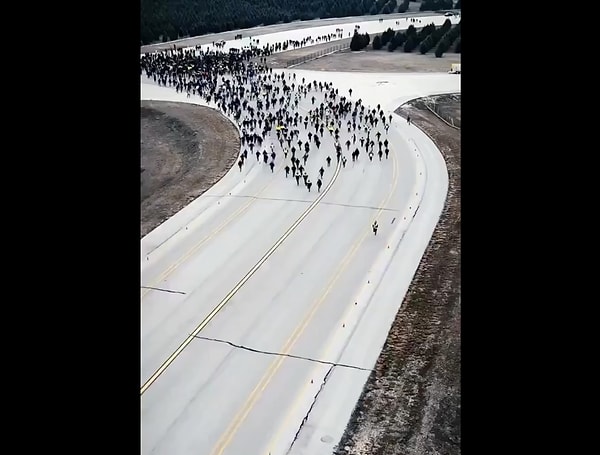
[403,7]
[359,41]
[446,41]
[389,6]
[436,5]
[165,20]
[429,37]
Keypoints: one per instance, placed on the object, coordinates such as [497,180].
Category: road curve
[255,290]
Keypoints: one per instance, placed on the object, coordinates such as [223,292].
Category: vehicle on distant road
[454,69]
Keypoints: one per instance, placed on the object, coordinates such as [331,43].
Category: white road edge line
[237,287]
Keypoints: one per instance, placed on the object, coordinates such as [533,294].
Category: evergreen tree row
[434,38]
[378,6]
[359,41]
[397,40]
[436,5]
[447,41]
[164,20]
[427,38]
[381,40]
[412,39]
[389,7]
[403,8]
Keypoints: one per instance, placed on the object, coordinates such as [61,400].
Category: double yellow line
[210,236]
[237,287]
[241,415]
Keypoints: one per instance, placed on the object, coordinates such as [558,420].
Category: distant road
[265,30]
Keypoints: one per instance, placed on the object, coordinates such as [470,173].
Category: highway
[253,292]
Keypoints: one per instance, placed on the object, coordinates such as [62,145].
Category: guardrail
[435,108]
[315,55]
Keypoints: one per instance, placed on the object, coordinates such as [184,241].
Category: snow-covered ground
[329,292]
[347,31]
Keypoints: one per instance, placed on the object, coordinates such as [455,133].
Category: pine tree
[409,46]
[442,47]
[355,42]
[426,44]
[377,43]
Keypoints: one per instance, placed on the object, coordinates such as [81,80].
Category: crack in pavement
[163,290]
[338,204]
[258,351]
[305,419]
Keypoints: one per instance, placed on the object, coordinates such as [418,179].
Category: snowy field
[329,291]
[370,27]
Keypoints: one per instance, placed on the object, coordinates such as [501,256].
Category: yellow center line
[237,287]
[239,418]
[210,236]
[272,443]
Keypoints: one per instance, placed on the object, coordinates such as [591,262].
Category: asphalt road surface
[263,303]
[261,263]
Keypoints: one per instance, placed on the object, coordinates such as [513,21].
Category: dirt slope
[411,403]
[185,149]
